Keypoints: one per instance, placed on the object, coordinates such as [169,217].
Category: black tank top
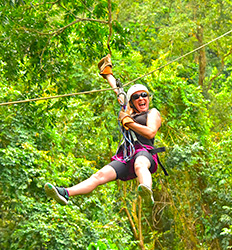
[141,118]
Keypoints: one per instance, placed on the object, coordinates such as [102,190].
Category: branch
[110,26]
[33,5]
[220,71]
[131,223]
[74,22]
[128,214]
[140,223]
[86,6]
[65,27]
[41,56]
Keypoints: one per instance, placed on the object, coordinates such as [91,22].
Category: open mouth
[142,104]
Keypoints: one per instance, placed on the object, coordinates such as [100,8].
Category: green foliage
[227,220]
[100,245]
[24,170]
[52,48]
[42,37]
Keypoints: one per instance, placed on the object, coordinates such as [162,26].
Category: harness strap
[156,150]
[151,151]
[162,166]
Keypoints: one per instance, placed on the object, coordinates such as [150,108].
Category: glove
[124,118]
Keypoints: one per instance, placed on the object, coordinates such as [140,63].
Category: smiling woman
[143,124]
[138,96]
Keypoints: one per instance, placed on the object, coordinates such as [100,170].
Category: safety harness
[152,151]
[126,141]
[129,137]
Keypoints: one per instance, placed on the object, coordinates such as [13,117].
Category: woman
[144,123]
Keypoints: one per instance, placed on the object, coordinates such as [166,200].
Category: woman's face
[140,100]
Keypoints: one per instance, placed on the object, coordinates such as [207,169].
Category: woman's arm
[112,81]
[153,124]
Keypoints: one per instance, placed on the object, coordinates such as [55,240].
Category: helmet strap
[133,106]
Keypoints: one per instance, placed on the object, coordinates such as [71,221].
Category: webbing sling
[151,151]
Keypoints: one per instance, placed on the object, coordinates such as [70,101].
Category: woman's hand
[153,124]
[125,118]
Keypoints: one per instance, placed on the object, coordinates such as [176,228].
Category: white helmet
[135,88]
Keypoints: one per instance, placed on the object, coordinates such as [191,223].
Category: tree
[178,27]
[51,48]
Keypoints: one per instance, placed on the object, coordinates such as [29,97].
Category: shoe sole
[146,194]
[52,192]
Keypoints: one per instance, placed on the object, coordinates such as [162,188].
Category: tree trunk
[202,56]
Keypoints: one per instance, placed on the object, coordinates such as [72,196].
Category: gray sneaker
[146,193]
[60,194]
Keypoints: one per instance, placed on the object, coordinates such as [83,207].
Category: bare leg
[142,165]
[104,175]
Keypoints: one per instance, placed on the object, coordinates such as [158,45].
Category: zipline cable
[107,89]
[178,58]
[56,96]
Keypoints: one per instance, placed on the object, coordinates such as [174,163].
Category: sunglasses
[136,96]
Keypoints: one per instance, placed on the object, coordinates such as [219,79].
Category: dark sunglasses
[136,96]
